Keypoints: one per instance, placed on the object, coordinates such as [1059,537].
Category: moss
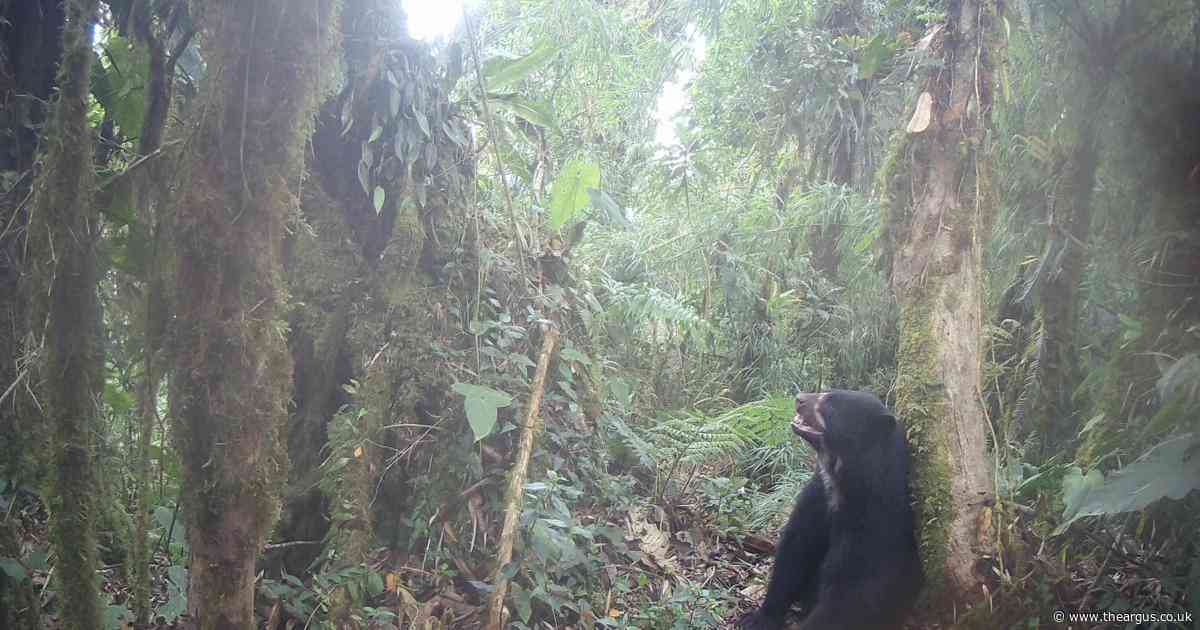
[62,233]
[233,371]
[893,184]
[921,403]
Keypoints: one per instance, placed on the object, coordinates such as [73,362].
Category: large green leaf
[536,112]
[481,404]
[118,83]
[502,71]
[1169,470]
[569,193]
[13,569]
[177,586]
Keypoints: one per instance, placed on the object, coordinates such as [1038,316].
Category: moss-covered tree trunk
[232,372]
[30,49]
[147,187]
[938,214]
[375,283]
[66,318]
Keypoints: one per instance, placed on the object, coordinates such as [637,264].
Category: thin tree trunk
[937,279]
[1071,224]
[515,491]
[232,371]
[159,90]
[63,230]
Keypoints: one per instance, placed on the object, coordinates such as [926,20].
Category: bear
[848,554]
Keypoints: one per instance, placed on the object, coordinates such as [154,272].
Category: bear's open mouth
[808,423]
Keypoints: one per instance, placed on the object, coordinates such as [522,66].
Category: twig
[515,493]
[490,121]
[290,543]
[20,377]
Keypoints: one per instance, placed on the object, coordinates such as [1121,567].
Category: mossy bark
[63,231]
[232,372]
[148,195]
[937,217]
[30,49]
[376,294]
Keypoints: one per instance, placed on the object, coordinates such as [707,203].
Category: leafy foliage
[1169,470]
[481,404]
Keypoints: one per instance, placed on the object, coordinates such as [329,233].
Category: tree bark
[146,197]
[63,232]
[1070,225]
[936,275]
[514,493]
[30,49]
[232,371]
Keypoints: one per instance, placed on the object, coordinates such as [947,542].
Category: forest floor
[695,553]
[686,546]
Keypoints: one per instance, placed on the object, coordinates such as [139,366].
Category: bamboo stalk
[515,493]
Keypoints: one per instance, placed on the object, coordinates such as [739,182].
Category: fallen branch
[289,544]
[515,493]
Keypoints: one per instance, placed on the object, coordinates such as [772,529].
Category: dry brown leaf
[392,580]
[654,543]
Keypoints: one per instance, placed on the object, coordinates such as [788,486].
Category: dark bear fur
[848,554]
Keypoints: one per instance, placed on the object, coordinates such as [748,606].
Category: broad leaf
[378,199]
[571,354]
[1169,470]
[116,617]
[177,586]
[118,83]
[499,72]
[481,404]
[13,569]
[613,214]
[569,193]
[536,112]
[523,601]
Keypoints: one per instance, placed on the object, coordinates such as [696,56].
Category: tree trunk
[146,195]
[63,231]
[232,371]
[937,279]
[1070,225]
[30,49]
